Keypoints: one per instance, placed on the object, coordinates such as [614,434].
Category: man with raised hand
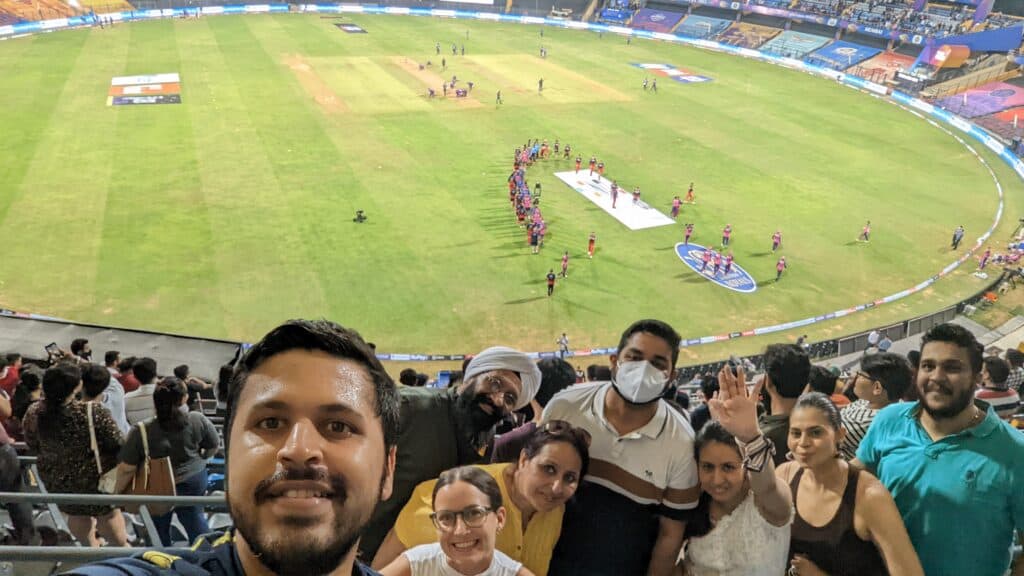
[629,514]
[310,440]
[955,470]
[446,428]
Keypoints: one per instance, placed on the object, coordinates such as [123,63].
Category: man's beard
[468,407]
[959,401]
[294,551]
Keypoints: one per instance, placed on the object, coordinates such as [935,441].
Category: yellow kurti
[532,547]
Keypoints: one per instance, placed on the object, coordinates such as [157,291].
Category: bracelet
[756,452]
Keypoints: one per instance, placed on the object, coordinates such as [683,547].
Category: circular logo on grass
[737,279]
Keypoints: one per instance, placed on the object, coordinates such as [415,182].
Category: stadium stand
[35,9]
[702,26]
[841,55]
[104,6]
[656,20]
[883,67]
[794,44]
[748,35]
[615,15]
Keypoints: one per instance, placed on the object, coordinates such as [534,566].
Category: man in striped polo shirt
[630,511]
[994,391]
[882,379]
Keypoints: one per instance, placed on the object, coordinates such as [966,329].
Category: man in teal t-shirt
[955,470]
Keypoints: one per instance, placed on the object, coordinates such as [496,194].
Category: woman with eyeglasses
[535,488]
[468,515]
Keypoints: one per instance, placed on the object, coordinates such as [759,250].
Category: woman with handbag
[188,439]
[76,442]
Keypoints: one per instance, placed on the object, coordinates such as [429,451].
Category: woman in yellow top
[550,466]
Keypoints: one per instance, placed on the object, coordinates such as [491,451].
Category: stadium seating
[35,9]
[794,44]
[841,55]
[748,35]
[104,6]
[702,26]
[656,20]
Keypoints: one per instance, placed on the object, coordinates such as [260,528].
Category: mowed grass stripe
[155,235]
[32,87]
[53,228]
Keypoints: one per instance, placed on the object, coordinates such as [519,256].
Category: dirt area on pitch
[431,79]
[315,86]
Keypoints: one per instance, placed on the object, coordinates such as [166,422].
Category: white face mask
[639,382]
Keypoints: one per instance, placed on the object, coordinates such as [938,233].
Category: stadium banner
[737,279]
[841,55]
[487,2]
[656,20]
[598,189]
[145,90]
[593,191]
[131,100]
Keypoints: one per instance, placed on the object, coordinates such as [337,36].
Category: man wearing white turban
[442,429]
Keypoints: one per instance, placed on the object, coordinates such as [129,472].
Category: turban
[504,358]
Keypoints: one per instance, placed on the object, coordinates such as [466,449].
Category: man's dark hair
[126,364]
[77,345]
[914,357]
[822,380]
[95,379]
[181,372]
[598,373]
[1014,357]
[708,386]
[892,371]
[407,377]
[555,375]
[657,328]
[788,368]
[328,337]
[224,382]
[422,379]
[111,357]
[959,336]
[12,358]
[998,371]
[144,370]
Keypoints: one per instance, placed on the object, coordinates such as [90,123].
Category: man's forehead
[309,376]
[648,344]
[504,375]
[943,351]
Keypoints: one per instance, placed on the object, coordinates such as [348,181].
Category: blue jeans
[191,517]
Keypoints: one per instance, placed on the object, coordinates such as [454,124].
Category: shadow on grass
[760,254]
[525,300]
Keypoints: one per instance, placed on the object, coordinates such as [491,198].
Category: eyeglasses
[472,516]
[495,386]
[858,374]
[563,428]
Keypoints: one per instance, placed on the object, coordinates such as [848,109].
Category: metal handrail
[112,499]
[73,553]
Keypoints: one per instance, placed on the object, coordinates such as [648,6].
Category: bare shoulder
[786,471]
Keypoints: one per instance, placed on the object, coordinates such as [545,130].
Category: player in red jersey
[689,232]
[728,264]
[590,244]
[551,282]
[578,162]
[726,234]
[676,202]
[780,266]
[706,258]
[600,168]
[593,164]
[776,240]
[565,264]
[718,262]
[691,198]
[865,232]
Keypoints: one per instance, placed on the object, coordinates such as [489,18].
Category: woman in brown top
[846,522]
[57,431]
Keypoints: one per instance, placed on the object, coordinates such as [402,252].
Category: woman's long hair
[167,400]
[59,383]
[700,520]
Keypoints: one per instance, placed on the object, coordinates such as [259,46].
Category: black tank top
[835,547]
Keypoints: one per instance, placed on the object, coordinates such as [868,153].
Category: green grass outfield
[232,211]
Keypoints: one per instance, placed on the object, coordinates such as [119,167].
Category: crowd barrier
[936,116]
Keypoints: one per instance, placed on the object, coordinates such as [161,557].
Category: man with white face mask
[630,511]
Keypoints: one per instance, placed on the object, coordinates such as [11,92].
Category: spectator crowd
[903,465]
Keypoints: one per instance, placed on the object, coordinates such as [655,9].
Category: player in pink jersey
[726,234]
[865,233]
[984,258]
[780,266]
[676,203]
[706,258]
[578,162]
[689,232]
[565,264]
[776,240]
[718,262]
[728,264]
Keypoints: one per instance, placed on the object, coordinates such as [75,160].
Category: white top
[652,465]
[138,405]
[113,399]
[429,560]
[742,544]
